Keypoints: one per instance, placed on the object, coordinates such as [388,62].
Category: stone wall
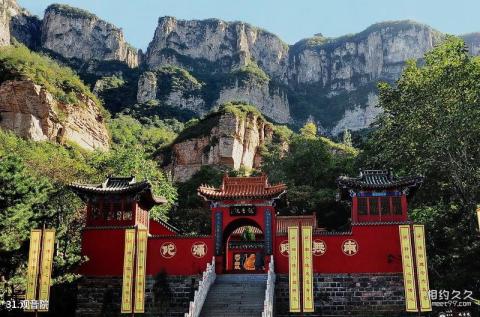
[349,294]
[101,296]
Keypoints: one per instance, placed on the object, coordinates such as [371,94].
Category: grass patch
[70,11]
[18,62]
[203,127]
[251,70]
[340,146]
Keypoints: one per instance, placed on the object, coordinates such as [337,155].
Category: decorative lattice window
[397,205]
[373,206]
[127,210]
[362,206]
[385,205]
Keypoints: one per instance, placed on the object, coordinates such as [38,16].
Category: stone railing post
[208,278]
[269,291]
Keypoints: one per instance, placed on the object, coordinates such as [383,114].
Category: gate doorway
[244,247]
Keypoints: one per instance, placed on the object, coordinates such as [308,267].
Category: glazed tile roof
[120,185]
[378,179]
[113,185]
[242,188]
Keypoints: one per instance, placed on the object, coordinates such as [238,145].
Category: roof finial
[390,173]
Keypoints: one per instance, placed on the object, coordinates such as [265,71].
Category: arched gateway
[243,202]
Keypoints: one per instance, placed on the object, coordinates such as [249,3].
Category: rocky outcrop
[213,40]
[185,92]
[4,23]
[234,141]
[359,117]
[147,87]
[345,63]
[31,112]
[472,41]
[75,33]
[272,102]
[25,28]
[173,87]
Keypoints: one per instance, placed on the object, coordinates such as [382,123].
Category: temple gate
[241,205]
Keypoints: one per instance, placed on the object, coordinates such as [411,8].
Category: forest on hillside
[430,126]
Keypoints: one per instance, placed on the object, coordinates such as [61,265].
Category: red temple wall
[159,229]
[104,249]
[376,243]
[183,262]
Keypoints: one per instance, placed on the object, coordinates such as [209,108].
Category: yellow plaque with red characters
[293,270]
[32,269]
[142,236]
[422,269]
[128,262]
[48,246]
[408,270]
[308,302]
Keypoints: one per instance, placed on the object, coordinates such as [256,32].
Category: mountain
[329,80]
[76,33]
[193,66]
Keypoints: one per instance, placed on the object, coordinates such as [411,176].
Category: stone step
[235,295]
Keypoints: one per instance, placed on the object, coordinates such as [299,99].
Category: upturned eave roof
[256,187]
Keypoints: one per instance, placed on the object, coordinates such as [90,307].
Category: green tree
[127,131]
[431,126]
[21,194]
[309,168]
[125,161]
[347,138]
[309,130]
[192,214]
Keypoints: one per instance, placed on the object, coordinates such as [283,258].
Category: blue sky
[291,20]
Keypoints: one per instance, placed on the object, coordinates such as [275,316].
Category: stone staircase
[235,295]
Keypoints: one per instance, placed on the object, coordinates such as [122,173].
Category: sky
[290,20]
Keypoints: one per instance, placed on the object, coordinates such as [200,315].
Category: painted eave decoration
[121,185]
[243,188]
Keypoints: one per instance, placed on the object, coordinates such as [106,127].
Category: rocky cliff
[232,137]
[31,112]
[25,27]
[4,23]
[332,80]
[176,87]
[472,40]
[231,43]
[75,33]
[347,62]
